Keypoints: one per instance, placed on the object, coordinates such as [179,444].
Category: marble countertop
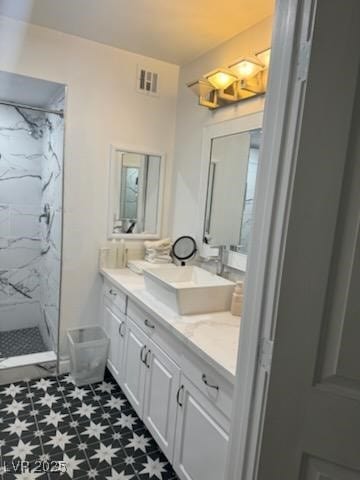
[213,336]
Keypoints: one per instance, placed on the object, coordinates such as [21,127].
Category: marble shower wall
[52,177]
[31,146]
[21,154]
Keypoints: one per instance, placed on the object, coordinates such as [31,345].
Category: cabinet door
[162,384]
[136,344]
[115,328]
[201,436]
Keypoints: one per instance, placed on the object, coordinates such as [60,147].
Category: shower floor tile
[23,341]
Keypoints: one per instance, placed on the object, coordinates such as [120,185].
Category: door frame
[291,49]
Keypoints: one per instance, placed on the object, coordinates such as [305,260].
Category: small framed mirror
[135,193]
[229,172]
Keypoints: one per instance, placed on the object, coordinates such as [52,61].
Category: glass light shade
[246,68]
[221,78]
[264,57]
[201,88]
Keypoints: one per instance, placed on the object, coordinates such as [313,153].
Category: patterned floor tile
[69,465]
[43,384]
[93,431]
[32,475]
[117,472]
[90,432]
[59,440]
[104,454]
[126,422]
[16,408]
[138,443]
[84,411]
[50,418]
[49,399]
[11,429]
[13,391]
[27,449]
[154,465]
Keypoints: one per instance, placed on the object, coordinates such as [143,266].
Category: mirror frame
[112,192]
[232,126]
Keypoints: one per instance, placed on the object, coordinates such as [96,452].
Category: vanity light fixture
[243,79]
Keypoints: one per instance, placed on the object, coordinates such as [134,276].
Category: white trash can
[88,354]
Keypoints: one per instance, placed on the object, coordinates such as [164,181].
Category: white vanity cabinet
[202,436]
[114,324]
[183,401]
[150,381]
[160,407]
[134,367]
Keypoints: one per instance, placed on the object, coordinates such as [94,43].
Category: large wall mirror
[229,166]
[136,184]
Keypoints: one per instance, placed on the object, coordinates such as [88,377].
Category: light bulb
[246,68]
[221,79]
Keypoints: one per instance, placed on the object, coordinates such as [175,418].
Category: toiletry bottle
[104,257]
[112,255]
[121,254]
[237,299]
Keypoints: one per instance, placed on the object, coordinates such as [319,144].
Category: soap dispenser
[237,299]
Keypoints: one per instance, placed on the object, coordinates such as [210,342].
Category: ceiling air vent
[147,82]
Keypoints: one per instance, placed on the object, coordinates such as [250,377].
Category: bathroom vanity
[177,372]
[173,341]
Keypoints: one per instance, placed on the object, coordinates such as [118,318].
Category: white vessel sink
[189,290]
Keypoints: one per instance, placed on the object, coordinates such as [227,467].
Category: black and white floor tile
[51,429]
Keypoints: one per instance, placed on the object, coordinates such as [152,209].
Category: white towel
[158,260]
[158,244]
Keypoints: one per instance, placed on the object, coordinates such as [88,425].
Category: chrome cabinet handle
[121,332]
[146,357]
[112,292]
[148,324]
[123,325]
[178,396]
[143,348]
[204,379]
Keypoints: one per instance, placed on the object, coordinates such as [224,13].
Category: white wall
[191,119]
[102,108]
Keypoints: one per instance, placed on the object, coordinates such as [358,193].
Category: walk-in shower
[31,192]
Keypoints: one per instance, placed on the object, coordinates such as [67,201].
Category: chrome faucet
[221,258]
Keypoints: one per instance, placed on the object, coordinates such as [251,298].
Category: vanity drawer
[215,387]
[115,296]
[141,318]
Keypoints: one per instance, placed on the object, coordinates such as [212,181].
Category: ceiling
[28,91]
[176,31]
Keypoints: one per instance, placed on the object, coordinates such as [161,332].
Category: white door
[162,384]
[135,352]
[312,419]
[201,436]
[115,328]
